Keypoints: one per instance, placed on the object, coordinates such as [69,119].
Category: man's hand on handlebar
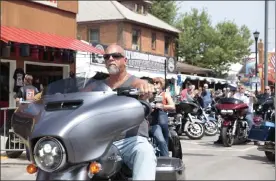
[146,90]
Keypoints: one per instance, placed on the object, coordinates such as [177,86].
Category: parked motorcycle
[191,125]
[234,125]
[264,129]
[211,113]
[69,133]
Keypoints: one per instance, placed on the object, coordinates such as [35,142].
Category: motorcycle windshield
[85,114]
[75,85]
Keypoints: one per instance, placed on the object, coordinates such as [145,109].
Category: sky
[249,13]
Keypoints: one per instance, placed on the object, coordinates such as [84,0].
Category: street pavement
[203,161]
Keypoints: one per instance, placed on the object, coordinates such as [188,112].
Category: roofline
[126,20]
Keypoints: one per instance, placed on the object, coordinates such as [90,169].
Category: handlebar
[130,91]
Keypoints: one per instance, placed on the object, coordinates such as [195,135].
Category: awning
[44,39]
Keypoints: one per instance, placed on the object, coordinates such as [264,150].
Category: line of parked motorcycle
[227,117]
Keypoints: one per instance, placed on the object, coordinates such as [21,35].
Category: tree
[165,10]
[212,47]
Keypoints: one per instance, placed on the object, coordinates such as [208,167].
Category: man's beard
[113,69]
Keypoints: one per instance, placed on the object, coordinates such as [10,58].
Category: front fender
[77,172]
[195,120]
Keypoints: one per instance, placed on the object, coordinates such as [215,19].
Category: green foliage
[212,47]
[165,10]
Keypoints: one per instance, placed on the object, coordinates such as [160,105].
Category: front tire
[213,128]
[195,131]
[11,145]
[227,139]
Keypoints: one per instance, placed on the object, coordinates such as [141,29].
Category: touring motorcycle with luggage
[234,125]
[264,128]
[70,131]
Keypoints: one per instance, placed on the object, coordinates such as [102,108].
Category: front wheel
[227,137]
[195,131]
[270,156]
[211,128]
[13,143]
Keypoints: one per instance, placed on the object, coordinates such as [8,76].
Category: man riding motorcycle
[248,99]
[137,153]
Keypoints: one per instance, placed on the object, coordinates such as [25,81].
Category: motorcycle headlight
[260,107]
[49,154]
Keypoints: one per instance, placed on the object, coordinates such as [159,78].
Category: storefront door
[6,81]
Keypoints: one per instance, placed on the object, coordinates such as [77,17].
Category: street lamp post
[256,36]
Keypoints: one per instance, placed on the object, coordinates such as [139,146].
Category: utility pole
[266,45]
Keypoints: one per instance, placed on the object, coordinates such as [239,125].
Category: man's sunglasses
[267,89]
[114,55]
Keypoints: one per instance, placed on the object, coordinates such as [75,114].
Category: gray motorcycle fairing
[89,130]
[77,172]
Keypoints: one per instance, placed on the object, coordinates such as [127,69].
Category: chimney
[261,51]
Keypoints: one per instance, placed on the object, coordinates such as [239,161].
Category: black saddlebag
[169,168]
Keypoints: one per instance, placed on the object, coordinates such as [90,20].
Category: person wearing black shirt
[18,77]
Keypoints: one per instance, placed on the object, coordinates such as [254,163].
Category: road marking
[219,149]
[193,143]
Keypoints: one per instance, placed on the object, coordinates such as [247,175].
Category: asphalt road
[203,160]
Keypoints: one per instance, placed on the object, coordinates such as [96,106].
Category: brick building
[37,38]
[148,41]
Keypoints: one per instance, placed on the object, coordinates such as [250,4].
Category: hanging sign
[142,61]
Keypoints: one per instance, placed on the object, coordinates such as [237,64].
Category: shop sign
[142,61]
[52,3]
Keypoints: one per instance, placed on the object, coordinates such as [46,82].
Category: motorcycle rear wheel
[270,156]
[227,140]
[197,136]
[175,147]
[11,145]
[214,129]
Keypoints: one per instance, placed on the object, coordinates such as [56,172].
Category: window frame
[153,41]
[138,38]
[89,35]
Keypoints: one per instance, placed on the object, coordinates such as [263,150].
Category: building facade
[147,40]
[37,38]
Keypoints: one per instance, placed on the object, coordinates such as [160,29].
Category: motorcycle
[70,131]
[265,108]
[209,121]
[211,113]
[191,125]
[234,126]
[264,129]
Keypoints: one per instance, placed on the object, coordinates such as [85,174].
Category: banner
[250,67]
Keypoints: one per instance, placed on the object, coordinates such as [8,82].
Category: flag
[272,61]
